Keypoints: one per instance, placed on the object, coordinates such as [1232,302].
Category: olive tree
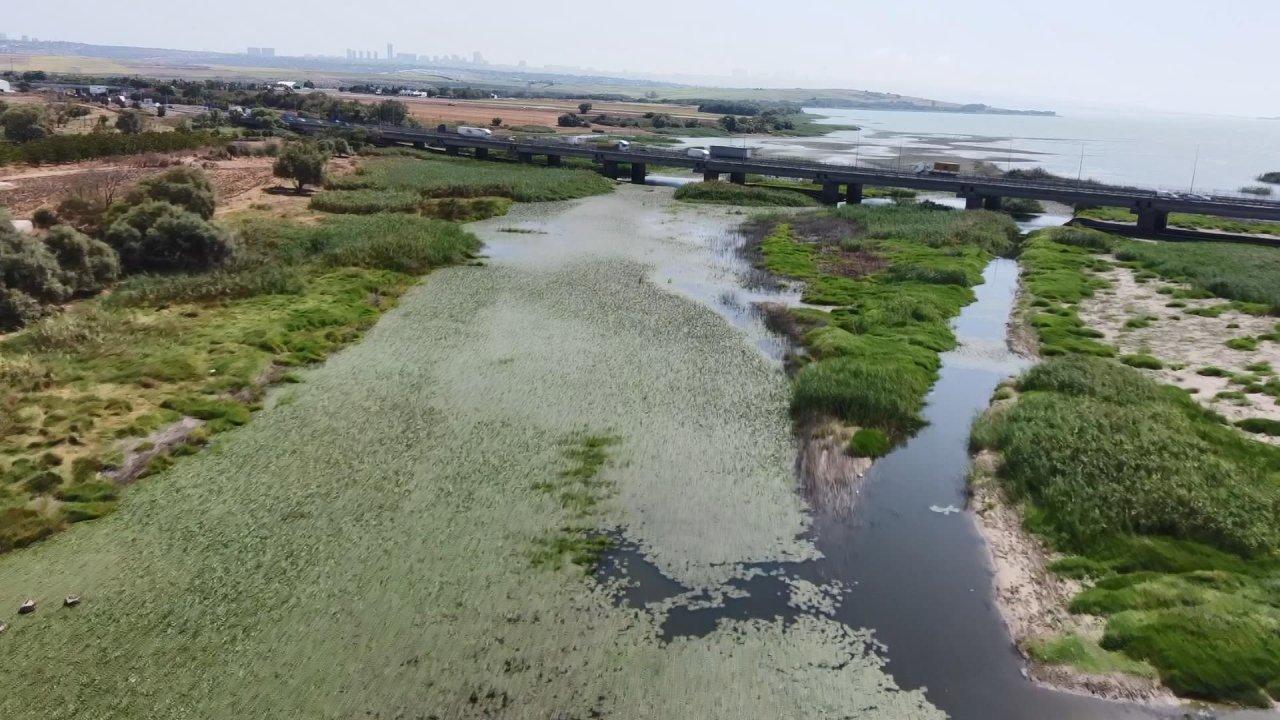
[23,123]
[187,187]
[129,122]
[301,163]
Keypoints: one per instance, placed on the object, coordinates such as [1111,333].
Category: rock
[3,627]
[27,607]
[71,601]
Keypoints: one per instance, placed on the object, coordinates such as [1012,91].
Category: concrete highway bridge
[837,182]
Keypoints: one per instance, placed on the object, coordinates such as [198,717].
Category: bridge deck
[1138,199]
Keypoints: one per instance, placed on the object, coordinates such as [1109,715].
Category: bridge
[837,182]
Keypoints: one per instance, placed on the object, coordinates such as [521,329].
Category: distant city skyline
[1174,55]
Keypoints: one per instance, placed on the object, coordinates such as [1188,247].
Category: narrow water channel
[905,554]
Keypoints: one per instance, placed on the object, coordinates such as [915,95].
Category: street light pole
[1194,168]
[1080,172]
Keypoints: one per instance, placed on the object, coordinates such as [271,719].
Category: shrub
[861,392]
[1145,362]
[1087,238]
[44,218]
[869,443]
[29,279]
[186,187]
[159,237]
[1261,426]
[130,122]
[1021,207]
[86,265]
[301,163]
[23,123]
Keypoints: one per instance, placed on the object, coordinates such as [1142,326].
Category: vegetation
[1247,273]
[897,275]
[1270,177]
[432,176]
[1058,273]
[1189,221]
[73,148]
[1022,207]
[302,163]
[1261,190]
[1169,507]
[208,317]
[716,192]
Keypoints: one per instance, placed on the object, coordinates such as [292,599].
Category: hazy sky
[1179,55]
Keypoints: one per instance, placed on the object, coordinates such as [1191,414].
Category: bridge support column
[482,153]
[973,202]
[1151,220]
[451,149]
[830,193]
[553,161]
[638,171]
[611,169]
[709,176]
[738,178]
[420,145]
[853,194]
[524,157]
[991,202]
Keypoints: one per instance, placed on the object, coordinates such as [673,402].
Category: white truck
[937,168]
[730,152]
[698,153]
[474,132]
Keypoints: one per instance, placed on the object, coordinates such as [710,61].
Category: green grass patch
[1060,266]
[433,176]
[1142,361]
[716,192]
[1246,273]
[578,490]
[1086,655]
[869,443]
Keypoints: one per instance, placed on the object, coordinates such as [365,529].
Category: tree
[308,84]
[187,187]
[23,123]
[129,122]
[162,110]
[570,120]
[729,122]
[159,237]
[391,112]
[29,279]
[86,266]
[301,163]
[496,122]
[584,108]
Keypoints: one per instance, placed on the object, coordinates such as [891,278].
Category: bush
[861,392]
[23,123]
[1021,207]
[159,237]
[86,265]
[301,163]
[187,187]
[571,120]
[44,218]
[130,122]
[30,277]
[869,443]
[1145,362]
[72,148]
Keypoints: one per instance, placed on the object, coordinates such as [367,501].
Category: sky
[1169,55]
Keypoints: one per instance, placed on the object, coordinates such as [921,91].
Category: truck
[697,153]
[937,168]
[474,132]
[729,152]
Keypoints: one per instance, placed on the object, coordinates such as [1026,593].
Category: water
[1149,150]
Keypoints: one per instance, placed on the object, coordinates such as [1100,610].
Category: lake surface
[1157,150]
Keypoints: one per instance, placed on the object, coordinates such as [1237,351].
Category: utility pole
[1080,172]
[1194,168]
[857,148]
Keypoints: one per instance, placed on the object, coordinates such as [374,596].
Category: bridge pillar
[482,153]
[450,149]
[853,194]
[991,202]
[973,202]
[553,161]
[524,157]
[611,169]
[830,193]
[738,178]
[638,171]
[709,176]
[419,144]
[1151,220]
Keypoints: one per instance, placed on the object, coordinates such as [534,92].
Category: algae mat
[362,548]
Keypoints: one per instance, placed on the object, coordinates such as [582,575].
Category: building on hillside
[5,87]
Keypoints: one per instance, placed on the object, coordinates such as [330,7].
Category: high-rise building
[477,58]
[391,54]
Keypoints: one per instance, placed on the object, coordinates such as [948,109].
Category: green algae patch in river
[363,548]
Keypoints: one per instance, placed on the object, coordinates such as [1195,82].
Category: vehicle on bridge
[474,132]
[730,152]
[698,153]
[937,168]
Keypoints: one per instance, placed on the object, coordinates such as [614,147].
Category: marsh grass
[1169,507]
[579,490]
[717,192]
[895,276]
[1248,273]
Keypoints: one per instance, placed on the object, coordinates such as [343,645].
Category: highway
[1151,206]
